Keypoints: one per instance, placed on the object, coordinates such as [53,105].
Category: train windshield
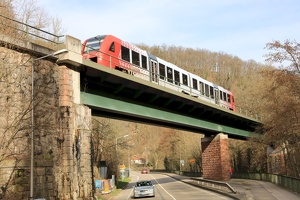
[93,44]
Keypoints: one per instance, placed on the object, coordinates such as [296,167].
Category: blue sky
[238,27]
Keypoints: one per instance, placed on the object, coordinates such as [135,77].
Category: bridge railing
[22,31]
[114,61]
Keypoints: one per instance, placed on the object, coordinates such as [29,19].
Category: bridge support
[215,157]
[73,171]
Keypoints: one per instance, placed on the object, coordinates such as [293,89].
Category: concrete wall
[62,131]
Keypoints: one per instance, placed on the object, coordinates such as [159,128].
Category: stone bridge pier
[75,177]
[74,173]
[215,157]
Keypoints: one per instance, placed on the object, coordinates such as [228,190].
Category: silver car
[143,189]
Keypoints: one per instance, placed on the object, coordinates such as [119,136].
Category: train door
[216,91]
[154,71]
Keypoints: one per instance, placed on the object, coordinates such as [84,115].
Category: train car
[226,99]
[170,76]
[112,52]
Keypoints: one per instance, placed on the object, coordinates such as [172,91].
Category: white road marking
[163,188]
[211,193]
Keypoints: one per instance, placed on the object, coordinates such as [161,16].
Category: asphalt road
[167,188]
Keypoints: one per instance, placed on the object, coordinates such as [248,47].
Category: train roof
[98,37]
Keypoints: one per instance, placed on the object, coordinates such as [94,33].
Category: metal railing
[199,182]
[23,31]
[212,184]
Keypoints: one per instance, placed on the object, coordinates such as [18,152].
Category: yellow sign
[122,167]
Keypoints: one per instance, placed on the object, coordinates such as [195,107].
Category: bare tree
[283,94]
[35,19]
[102,135]
[288,51]
[7,26]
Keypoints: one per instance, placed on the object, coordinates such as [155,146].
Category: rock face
[62,130]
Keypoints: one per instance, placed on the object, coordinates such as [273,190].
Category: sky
[237,27]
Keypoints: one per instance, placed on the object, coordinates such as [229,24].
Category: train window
[125,53]
[162,71]
[206,90]
[93,44]
[228,98]
[144,62]
[195,85]
[112,47]
[221,95]
[176,77]
[170,74]
[211,91]
[201,87]
[184,79]
[135,58]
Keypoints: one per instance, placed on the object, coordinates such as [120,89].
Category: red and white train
[115,53]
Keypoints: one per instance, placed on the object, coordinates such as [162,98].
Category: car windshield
[144,183]
[93,44]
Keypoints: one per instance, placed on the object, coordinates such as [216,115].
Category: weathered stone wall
[76,177]
[215,158]
[15,126]
[62,132]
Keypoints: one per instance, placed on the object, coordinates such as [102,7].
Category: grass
[116,190]
[122,184]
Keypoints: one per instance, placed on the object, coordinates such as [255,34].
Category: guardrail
[23,31]
[212,184]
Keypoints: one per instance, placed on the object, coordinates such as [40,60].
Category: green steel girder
[104,105]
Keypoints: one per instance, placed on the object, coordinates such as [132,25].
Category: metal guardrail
[212,184]
[200,182]
[30,33]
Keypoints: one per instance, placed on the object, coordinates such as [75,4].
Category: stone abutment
[62,128]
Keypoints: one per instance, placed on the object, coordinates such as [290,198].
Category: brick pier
[215,157]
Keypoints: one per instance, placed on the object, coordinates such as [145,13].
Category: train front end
[91,49]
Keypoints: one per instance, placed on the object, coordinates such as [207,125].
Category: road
[167,188]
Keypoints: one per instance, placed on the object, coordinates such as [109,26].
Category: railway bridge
[112,93]
[88,89]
